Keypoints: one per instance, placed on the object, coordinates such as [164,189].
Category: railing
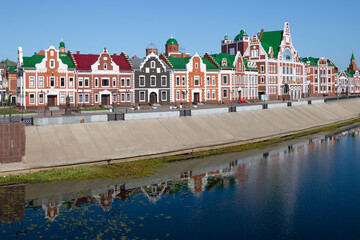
[116,116]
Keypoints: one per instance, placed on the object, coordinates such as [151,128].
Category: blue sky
[319,28]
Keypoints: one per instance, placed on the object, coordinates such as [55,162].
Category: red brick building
[103,79]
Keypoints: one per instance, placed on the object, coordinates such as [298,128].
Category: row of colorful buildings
[265,66]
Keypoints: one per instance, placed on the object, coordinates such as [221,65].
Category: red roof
[84,61]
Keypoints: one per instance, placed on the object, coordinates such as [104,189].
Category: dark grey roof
[136,62]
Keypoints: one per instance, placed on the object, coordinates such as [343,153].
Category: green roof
[209,64]
[62,44]
[240,35]
[313,61]
[351,73]
[352,56]
[271,39]
[229,59]
[171,41]
[246,65]
[180,63]
[30,62]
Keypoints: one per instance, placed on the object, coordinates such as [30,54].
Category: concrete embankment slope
[56,145]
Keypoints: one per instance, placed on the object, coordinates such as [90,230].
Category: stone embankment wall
[12,142]
[79,143]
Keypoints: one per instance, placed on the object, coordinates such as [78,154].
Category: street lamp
[10,94]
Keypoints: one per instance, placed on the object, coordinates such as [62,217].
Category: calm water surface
[307,190]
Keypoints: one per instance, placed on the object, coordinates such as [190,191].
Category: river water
[307,189]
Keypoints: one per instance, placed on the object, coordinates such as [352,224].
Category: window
[283,70]
[329,72]
[123,97]
[80,98]
[291,70]
[71,82]
[213,80]
[225,79]
[105,66]
[183,81]
[52,63]
[152,64]
[62,97]
[316,80]
[163,81]
[41,81]
[142,96]
[329,80]
[213,94]
[225,93]
[196,81]
[41,98]
[52,81]
[128,97]
[114,97]
[114,82]
[71,96]
[158,70]
[196,65]
[163,96]
[262,79]
[152,81]
[177,81]
[96,98]
[32,98]
[254,53]
[128,82]
[142,81]
[80,82]
[208,94]
[86,82]
[177,95]
[183,95]
[262,68]
[208,81]
[315,71]
[31,81]
[62,82]
[123,82]
[96,82]
[105,82]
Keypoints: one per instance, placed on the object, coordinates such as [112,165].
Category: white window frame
[31,81]
[102,82]
[96,98]
[41,80]
[80,82]
[183,81]
[162,78]
[41,97]
[177,80]
[196,78]
[213,81]
[32,96]
[152,85]
[142,77]
[128,83]
[62,97]
[96,82]
[71,81]
[54,81]
[61,82]
[152,64]
[128,97]
[114,81]
[177,95]
[122,82]
[162,99]
[141,92]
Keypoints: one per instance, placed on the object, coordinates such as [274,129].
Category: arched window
[152,64]
[105,66]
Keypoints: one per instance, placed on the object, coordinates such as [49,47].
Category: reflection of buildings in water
[106,199]
[154,191]
[241,175]
[52,210]
[124,194]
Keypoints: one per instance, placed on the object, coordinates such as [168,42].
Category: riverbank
[59,146]
[147,167]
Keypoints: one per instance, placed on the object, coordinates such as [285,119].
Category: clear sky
[319,28]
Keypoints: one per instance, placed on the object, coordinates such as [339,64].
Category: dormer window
[52,63]
[224,62]
[52,53]
[105,66]
[152,64]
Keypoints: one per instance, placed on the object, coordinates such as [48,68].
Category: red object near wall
[242,100]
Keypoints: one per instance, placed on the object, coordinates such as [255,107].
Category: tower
[62,48]
[242,40]
[352,66]
[171,46]
[151,48]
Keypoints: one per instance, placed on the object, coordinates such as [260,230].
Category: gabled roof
[136,62]
[229,59]
[209,64]
[84,61]
[271,39]
[30,62]
[178,63]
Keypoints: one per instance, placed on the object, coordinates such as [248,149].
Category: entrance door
[51,101]
[105,99]
[153,98]
[196,97]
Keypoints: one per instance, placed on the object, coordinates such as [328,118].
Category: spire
[352,56]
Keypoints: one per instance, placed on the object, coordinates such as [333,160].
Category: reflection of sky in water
[306,190]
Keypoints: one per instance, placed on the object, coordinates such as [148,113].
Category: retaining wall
[12,142]
[151,115]
[197,112]
[70,119]
[53,145]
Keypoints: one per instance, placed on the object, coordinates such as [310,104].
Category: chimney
[77,52]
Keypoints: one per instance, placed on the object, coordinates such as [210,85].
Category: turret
[62,48]
[171,46]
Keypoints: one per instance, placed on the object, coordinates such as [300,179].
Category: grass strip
[13,111]
[147,167]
